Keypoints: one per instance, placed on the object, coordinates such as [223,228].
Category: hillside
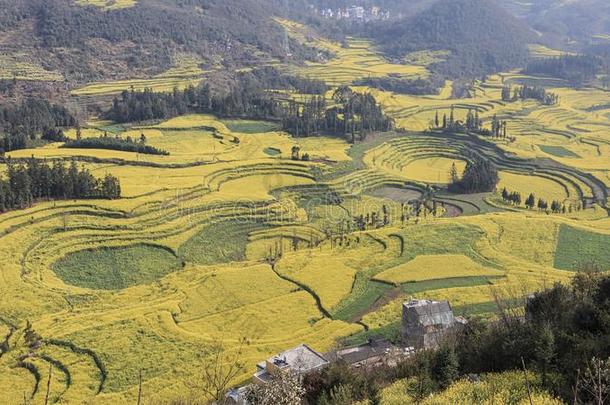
[82,43]
[481,36]
[566,23]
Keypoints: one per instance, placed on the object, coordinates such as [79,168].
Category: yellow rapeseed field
[280,237]
[436,267]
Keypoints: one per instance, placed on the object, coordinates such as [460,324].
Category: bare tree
[219,371]
[595,381]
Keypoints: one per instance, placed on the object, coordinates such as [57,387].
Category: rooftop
[431,312]
[301,359]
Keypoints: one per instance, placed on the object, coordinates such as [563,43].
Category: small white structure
[300,360]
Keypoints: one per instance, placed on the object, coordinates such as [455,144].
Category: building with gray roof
[425,323]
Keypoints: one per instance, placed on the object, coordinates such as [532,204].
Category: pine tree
[453,174]
[446,366]
[505,194]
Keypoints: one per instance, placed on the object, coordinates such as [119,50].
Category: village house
[425,323]
[300,360]
[376,352]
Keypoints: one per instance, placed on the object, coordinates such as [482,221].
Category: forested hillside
[86,43]
[481,36]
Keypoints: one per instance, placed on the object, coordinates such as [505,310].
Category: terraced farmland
[223,241]
[185,73]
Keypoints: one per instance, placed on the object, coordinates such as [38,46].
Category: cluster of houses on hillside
[423,326]
[355,13]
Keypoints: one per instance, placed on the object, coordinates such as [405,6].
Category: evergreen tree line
[247,96]
[479,176]
[274,79]
[115,143]
[529,92]
[25,122]
[25,183]
[556,206]
[417,87]
[473,124]
[577,69]
[353,114]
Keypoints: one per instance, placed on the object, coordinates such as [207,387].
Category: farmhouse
[300,360]
[425,323]
[376,352]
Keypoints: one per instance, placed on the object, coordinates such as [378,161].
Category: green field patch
[390,332]
[271,151]
[222,242]
[251,126]
[576,246]
[372,292]
[115,268]
[429,285]
[429,240]
[558,151]
[485,308]
[400,194]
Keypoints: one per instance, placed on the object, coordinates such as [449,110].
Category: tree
[545,349]
[479,176]
[340,394]
[294,152]
[446,366]
[596,380]
[542,205]
[530,202]
[515,198]
[505,194]
[453,174]
[284,388]
[220,369]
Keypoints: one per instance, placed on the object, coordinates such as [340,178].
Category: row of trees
[556,207]
[577,69]
[25,183]
[418,86]
[28,120]
[529,92]
[353,114]
[248,95]
[473,124]
[115,143]
[244,99]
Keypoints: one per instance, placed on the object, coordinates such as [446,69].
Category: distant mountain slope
[565,22]
[481,36]
[87,43]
